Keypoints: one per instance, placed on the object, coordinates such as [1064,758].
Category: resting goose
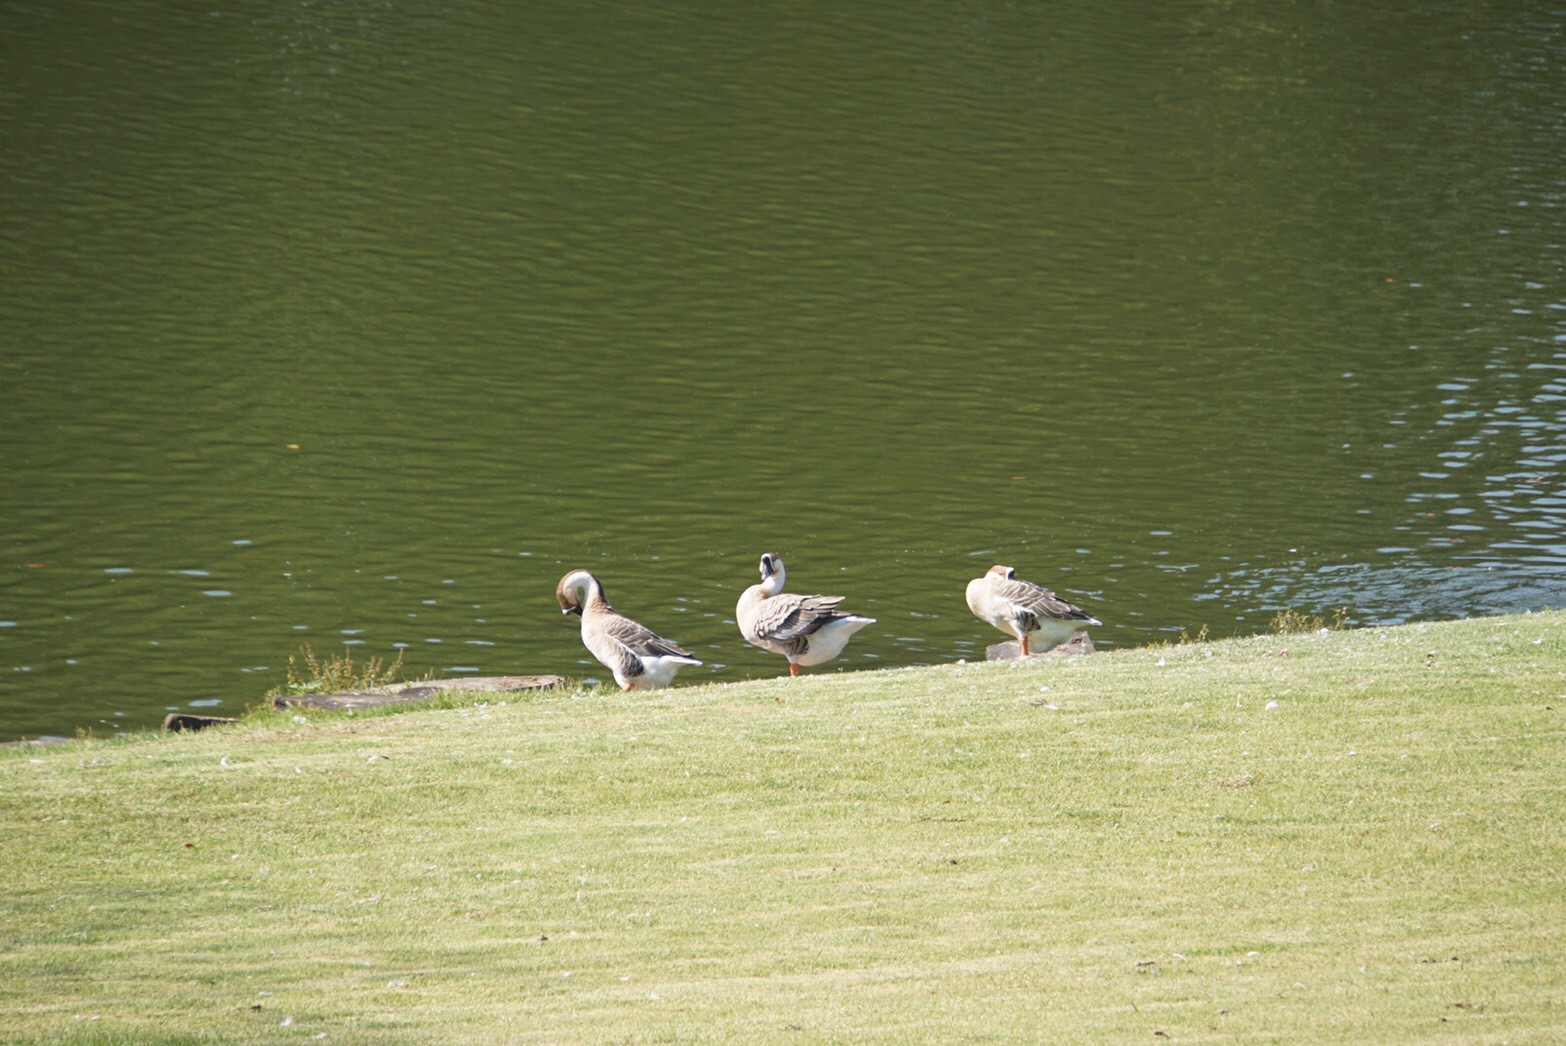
[1024,609]
[639,658]
[805,629]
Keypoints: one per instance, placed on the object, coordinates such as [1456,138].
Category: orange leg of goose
[1022,644]
[793,669]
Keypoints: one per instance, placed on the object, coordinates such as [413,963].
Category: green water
[363,322]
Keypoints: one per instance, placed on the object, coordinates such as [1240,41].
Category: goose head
[569,591]
[772,575]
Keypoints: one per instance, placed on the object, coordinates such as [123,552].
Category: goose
[1023,609]
[639,658]
[805,629]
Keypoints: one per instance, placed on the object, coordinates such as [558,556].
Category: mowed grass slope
[1350,836]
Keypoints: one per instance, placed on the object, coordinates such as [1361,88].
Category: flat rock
[1080,643]
[489,684]
[412,693]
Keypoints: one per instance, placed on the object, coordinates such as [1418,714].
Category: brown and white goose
[1024,609]
[639,658]
[805,629]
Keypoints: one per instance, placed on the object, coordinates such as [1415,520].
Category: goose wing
[1039,602]
[787,617]
[639,640]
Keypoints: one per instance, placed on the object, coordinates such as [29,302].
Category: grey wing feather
[1041,602]
[637,638]
[788,617]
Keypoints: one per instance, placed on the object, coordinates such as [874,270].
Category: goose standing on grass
[1024,609]
[805,629]
[639,658]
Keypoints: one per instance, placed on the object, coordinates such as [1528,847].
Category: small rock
[1081,643]
[178,722]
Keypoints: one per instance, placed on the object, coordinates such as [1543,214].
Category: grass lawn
[1347,836]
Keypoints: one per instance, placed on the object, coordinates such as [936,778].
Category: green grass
[1130,846]
[310,673]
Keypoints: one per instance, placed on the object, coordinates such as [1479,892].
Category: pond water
[359,323]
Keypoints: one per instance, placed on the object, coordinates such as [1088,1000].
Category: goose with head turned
[639,658]
[805,629]
[1024,609]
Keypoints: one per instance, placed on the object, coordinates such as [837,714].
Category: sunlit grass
[1346,836]
[311,673]
[1290,621]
